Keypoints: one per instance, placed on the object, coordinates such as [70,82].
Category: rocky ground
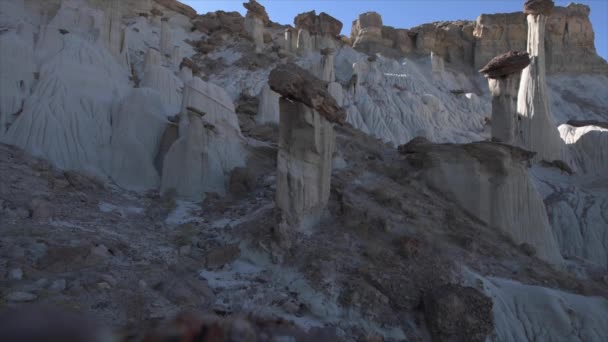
[387,241]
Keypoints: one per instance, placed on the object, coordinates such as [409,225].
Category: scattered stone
[21,297]
[457,313]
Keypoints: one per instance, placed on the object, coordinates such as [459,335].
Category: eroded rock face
[490,181]
[458,313]
[255,9]
[322,24]
[297,84]
[569,40]
[178,7]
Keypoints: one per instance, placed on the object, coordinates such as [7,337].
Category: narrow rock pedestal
[538,131]
[503,73]
[306,145]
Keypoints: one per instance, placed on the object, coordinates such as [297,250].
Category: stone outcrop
[569,39]
[218,22]
[325,70]
[316,31]
[306,145]
[255,20]
[503,73]
[490,181]
[322,24]
[163,80]
[369,35]
[538,131]
[178,7]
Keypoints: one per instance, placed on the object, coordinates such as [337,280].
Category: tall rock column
[165,36]
[538,131]
[255,20]
[306,144]
[327,71]
[503,74]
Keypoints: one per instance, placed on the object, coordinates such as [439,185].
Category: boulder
[255,9]
[537,7]
[297,84]
[506,64]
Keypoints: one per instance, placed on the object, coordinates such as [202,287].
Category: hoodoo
[503,73]
[538,131]
[306,144]
[255,20]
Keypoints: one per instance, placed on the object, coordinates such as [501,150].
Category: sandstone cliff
[569,40]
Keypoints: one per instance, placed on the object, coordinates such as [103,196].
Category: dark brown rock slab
[537,7]
[583,123]
[297,84]
[255,9]
[506,64]
[178,7]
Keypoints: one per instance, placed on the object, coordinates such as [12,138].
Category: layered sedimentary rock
[255,20]
[306,144]
[570,40]
[316,31]
[491,182]
[503,73]
[538,130]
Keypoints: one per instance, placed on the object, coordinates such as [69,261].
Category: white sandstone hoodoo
[326,70]
[165,36]
[255,20]
[503,74]
[538,131]
[306,144]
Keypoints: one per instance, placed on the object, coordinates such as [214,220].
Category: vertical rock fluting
[268,109]
[306,144]
[538,131]
[165,36]
[326,70]
[503,73]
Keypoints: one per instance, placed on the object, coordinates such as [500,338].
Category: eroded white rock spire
[503,74]
[538,131]
[306,144]
[255,20]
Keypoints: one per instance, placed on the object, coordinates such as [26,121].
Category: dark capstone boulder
[506,64]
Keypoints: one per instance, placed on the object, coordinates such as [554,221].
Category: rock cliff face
[569,40]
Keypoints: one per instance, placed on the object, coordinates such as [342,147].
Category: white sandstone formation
[164,81]
[438,67]
[255,20]
[491,182]
[503,73]
[587,148]
[114,34]
[325,70]
[176,56]
[306,144]
[209,145]
[268,109]
[304,43]
[165,37]
[137,129]
[538,131]
[17,67]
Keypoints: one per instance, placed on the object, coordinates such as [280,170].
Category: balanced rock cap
[506,64]
[318,24]
[297,84]
[257,10]
[536,7]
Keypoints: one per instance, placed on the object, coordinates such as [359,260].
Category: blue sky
[404,13]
